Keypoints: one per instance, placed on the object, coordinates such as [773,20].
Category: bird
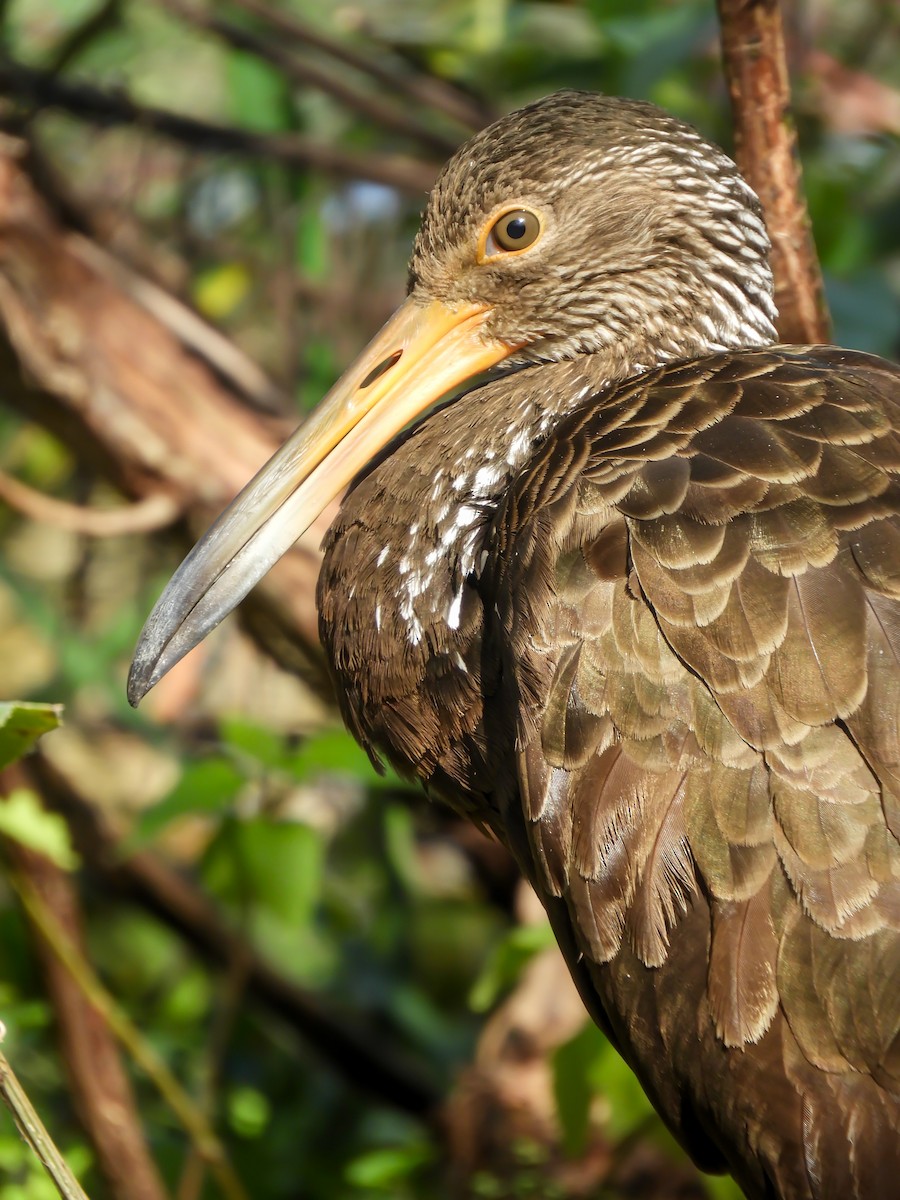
[629,601]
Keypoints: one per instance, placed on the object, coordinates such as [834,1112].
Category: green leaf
[285,862]
[336,753]
[255,741]
[24,818]
[257,92]
[629,1108]
[22,724]
[276,865]
[383,1169]
[573,1085]
[207,786]
[505,965]
[249,1112]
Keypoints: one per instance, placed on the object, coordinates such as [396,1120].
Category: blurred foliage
[341,877]
[21,725]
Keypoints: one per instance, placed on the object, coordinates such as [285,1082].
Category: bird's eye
[515,230]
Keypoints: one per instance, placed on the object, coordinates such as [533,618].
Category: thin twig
[766,151]
[189,1115]
[423,89]
[100,1088]
[190,1185]
[32,1129]
[306,74]
[157,511]
[108,15]
[41,89]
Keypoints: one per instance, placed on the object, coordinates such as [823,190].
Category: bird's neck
[401,614]
[469,452]
[401,611]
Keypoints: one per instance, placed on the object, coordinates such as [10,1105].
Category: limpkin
[633,606]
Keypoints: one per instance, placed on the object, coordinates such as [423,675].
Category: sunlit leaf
[22,724]
[506,963]
[24,818]
[384,1168]
[219,291]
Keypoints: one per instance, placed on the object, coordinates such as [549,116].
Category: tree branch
[41,89]
[766,152]
[101,1090]
[132,397]
[144,516]
[371,107]
[427,90]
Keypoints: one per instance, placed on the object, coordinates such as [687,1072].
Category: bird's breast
[403,621]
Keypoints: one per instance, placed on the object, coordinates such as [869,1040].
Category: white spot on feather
[485,478]
[454,611]
[517,447]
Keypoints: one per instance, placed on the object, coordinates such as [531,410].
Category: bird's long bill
[422,352]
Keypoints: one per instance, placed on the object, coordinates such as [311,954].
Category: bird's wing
[698,583]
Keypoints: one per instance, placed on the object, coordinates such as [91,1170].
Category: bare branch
[423,89]
[307,74]
[766,152]
[101,1089]
[32,1129]
[144,516]
[42,89]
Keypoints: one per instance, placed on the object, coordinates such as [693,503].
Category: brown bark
[766,152]
[114,379]
[101,1089]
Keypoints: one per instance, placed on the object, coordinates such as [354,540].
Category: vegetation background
[350,985]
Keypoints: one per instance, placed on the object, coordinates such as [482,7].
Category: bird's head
[593,224]
[580,224]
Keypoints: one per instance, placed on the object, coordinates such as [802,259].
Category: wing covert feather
[712,736]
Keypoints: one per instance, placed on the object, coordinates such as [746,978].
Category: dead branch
[307,74]
[766,151]
[41,89]
[427,90]
[131,397]
[144,516]
[101,1090]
